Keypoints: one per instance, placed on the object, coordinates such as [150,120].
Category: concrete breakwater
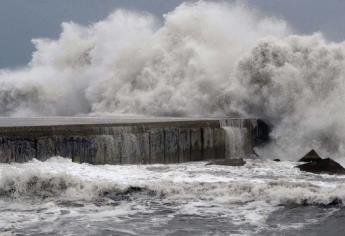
[129,141]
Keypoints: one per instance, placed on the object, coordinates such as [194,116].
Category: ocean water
[58,197]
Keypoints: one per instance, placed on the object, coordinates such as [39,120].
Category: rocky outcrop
[323,166]
[317,165]
[310,156]
[228,162]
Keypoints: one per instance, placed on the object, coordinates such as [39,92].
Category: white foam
[275,183]
[246,195]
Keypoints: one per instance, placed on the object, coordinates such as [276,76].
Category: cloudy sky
[22,20]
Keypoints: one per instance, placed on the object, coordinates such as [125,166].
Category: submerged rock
[228,162]
[310,156]
[323,166]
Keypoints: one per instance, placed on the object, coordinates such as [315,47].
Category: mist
[204,59]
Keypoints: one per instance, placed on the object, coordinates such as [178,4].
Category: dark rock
[323,166]
[262,131]
[228,162]
[310,156]
[277,160]
[335,202]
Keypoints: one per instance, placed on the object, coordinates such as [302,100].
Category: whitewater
[262,198]
[203,59]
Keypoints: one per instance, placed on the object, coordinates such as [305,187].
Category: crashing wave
[204,59]
[30,184]
[61,179]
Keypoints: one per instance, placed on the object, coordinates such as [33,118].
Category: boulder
[323,166]
[310,156]
[276,160]
[228,162]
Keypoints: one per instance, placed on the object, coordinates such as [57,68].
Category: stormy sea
[203,58]
[58,197]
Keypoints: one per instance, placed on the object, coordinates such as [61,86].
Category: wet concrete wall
[126,143]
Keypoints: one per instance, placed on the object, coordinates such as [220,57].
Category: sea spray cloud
[57,79]
[297,83]
[182,68]
[204,59]
[131,63]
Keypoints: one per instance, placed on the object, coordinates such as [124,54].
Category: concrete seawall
[132,141]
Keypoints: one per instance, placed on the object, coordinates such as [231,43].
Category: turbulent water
[202,59]
[261,198]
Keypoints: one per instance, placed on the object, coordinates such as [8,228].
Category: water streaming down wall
[235,142]
[134,143]
[238,137]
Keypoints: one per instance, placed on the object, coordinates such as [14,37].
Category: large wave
[204,59]
[266,181]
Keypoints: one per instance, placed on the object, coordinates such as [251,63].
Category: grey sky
[22,20]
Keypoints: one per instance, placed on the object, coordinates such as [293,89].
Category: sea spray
[128,63]
[204,59]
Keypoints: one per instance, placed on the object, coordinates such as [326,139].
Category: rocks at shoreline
[310,156]
[317,165]
[323,166]
[228,162]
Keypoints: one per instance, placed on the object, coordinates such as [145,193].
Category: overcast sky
[22,20]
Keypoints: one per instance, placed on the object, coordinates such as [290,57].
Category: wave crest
[28,182]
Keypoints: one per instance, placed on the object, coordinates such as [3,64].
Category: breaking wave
[60,179]
[204,59]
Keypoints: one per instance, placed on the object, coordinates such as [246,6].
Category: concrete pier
[126,140]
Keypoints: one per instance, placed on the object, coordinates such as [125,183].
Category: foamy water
[65,198]
[203,59]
